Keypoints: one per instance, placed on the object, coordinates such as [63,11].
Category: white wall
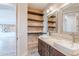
[22,29]
[7,16]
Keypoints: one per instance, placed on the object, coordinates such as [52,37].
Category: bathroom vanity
[45,49]
[57,46]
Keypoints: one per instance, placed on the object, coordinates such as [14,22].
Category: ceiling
[40,6]
[71,7]
[7,6]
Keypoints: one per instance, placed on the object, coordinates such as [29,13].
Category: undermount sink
[67,46]
[44,36]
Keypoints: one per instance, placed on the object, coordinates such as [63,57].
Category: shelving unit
[34,32]
[35,24]
[52,23]
[35,17]
[36,13]
[33,10]
[35,21]
[35,28]
[52,20]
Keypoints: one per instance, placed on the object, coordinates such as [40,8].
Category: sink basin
[44,36]
[67,47]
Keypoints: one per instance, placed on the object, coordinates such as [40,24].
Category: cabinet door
[39,47]
[54,52]
[45,49]
[51,52]
[57,53]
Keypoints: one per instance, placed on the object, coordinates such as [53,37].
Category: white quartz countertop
[64,46]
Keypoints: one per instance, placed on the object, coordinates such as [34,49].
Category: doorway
[7,30]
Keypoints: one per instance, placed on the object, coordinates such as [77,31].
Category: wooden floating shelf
[33,23]
[51,24]
[52,21]
[35,20]
[35,13]
[35,17]
[30,32]
[34,26]
[36,33]
[34,29]
[51,27]
[35,10]
[52,16]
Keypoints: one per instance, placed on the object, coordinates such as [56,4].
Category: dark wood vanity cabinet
[39,47]
[51,51]
[46,50]
[57,53]
[43,48]
[54,52]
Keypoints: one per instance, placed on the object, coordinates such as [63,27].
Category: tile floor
[34,54]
